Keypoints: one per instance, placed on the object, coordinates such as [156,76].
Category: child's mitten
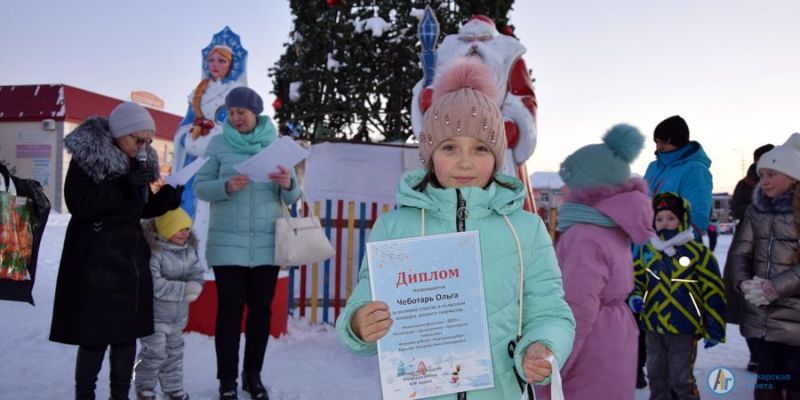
[192,291]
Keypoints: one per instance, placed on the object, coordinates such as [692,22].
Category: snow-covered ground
[308,363]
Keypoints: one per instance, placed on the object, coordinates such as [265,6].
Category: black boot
[227,390]
[121,359]
[251,383]
[640,381]
[87,366]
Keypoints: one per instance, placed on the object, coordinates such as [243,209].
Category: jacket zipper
[769,269]
[461,212]
[461,221]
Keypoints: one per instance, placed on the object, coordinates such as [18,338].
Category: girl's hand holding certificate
[372,321]
[535,363]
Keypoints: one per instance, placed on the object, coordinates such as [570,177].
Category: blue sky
[731,68]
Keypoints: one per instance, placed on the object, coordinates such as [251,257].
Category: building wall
[29,151]
[36,153]
[547,202]
[722,207]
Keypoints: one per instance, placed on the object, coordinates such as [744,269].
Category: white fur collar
[668,246]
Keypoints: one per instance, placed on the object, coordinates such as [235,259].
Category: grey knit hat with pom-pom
[607,163]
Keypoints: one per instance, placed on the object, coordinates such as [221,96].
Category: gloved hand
[753,291]
[139,177]
[636,303]
[173,195]
[709,343]
[192,291]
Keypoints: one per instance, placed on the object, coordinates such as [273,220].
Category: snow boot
[251,383]
[177,395]
[145,394]
[227,390]
[641,382]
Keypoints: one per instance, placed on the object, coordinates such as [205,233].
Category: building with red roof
[35,118]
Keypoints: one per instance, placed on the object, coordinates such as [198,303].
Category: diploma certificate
[439,342]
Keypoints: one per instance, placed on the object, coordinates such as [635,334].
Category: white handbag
[300,240]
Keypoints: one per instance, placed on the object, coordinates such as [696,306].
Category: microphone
[141,156]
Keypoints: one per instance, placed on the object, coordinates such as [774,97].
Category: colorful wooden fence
[318,292]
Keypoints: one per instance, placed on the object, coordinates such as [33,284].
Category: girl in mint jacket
[462,145]
[241,238]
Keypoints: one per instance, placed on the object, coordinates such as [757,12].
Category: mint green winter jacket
[242,225]
[546,316]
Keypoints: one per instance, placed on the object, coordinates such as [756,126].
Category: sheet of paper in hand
[283,151]
[187,172]
[439,342]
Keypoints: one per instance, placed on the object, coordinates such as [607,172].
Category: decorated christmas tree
[349,66]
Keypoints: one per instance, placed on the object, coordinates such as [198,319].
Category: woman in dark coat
[104,292]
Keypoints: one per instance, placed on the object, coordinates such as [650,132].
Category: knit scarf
[253,142]
[573,213]
[668,246]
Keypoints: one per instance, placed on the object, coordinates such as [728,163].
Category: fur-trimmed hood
[93,148]
[779,205]
[157,243]
[627,205]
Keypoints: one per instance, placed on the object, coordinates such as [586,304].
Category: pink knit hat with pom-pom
[463,105]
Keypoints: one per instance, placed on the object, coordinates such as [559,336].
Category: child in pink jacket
[605,212]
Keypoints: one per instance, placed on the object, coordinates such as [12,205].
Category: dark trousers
[641,360]
[670,366]
[752,345]
[712,241]
[89,362]
[778,370]
[237,286]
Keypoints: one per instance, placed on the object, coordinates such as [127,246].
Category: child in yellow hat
[177,281]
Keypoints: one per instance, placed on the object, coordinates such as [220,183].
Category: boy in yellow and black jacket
[680,297]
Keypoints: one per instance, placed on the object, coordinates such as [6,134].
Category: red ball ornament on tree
[277,104]
[508,30]
[333,3]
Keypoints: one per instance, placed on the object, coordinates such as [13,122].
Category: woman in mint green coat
[462,145]
[241,238]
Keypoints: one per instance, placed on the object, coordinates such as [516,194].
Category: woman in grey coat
[765,257]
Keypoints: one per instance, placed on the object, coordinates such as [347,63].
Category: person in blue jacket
[462,146]
[241,238]
[681,167]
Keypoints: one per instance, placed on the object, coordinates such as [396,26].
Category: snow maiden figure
[224,67]
[515,97]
